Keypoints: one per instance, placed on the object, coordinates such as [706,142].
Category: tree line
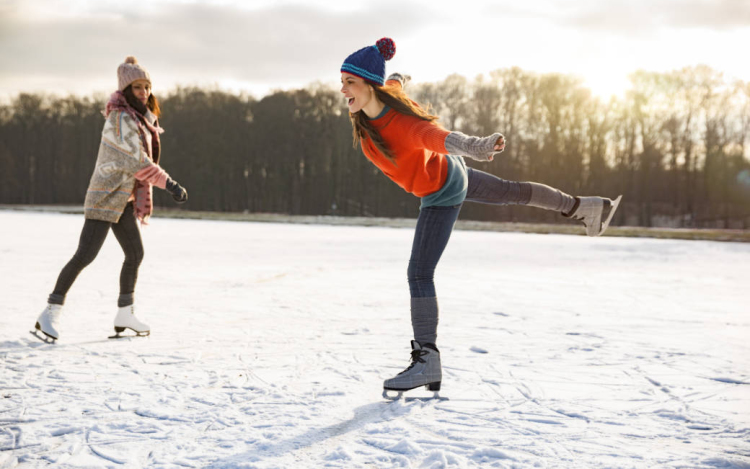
[674,145]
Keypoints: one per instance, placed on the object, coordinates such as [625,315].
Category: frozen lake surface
[270,343]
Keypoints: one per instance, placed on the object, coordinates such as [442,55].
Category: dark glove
[179,194]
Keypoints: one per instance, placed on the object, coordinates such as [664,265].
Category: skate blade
[400,396]
[130,336]
[47,339]
[605,225]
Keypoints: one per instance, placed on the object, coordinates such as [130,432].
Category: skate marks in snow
[56,396]
[301,447]
[730,381]
[566,427]
[222,417]
[384,434]
[621,353]
[587,385]
[444,434]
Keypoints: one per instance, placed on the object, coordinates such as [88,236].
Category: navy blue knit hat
[369,62]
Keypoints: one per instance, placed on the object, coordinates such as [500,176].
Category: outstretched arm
[476,148]
[431,136]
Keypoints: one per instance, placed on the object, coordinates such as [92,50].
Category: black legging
[92,238]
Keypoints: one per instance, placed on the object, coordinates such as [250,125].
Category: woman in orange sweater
[406,143]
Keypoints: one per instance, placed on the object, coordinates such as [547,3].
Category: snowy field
[270,343]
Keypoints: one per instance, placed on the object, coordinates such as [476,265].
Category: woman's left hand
[499,146]
[179,194]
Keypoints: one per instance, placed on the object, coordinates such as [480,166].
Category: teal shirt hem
[382,113]
[454,189]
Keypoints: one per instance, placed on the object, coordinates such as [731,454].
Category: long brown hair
[135,103]
[394,97]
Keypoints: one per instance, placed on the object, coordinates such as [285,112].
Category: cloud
[629,17]
[76,45]
[197,42]
[637,17]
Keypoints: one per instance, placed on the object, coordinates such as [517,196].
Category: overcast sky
[75,46]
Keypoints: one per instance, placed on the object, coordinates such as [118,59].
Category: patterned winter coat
[124,168]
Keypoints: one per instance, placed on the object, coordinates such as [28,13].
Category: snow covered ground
[270,343]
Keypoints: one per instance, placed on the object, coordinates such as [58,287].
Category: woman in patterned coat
[119,195]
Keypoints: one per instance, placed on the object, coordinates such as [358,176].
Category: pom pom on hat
[386,47]
[130,71]
[369,62]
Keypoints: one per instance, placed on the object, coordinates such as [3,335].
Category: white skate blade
[605,225]
[47,339]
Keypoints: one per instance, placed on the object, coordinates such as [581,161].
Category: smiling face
[141,90]
[359,94]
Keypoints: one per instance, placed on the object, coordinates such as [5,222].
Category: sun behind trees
[676,145]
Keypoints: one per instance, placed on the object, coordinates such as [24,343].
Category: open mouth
[350,101]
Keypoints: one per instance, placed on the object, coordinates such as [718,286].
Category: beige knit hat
[130,71]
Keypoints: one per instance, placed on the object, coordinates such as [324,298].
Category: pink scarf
[143,190]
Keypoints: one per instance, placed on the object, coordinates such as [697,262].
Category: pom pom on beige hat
[130,71]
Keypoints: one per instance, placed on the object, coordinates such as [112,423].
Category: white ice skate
[48,323]
[595,213]
[424,370]
[126,319]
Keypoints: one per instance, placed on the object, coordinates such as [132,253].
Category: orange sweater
[419,150]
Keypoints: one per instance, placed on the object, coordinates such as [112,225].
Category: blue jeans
[435,225]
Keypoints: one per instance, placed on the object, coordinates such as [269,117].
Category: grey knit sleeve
[477,148]
[401,78]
